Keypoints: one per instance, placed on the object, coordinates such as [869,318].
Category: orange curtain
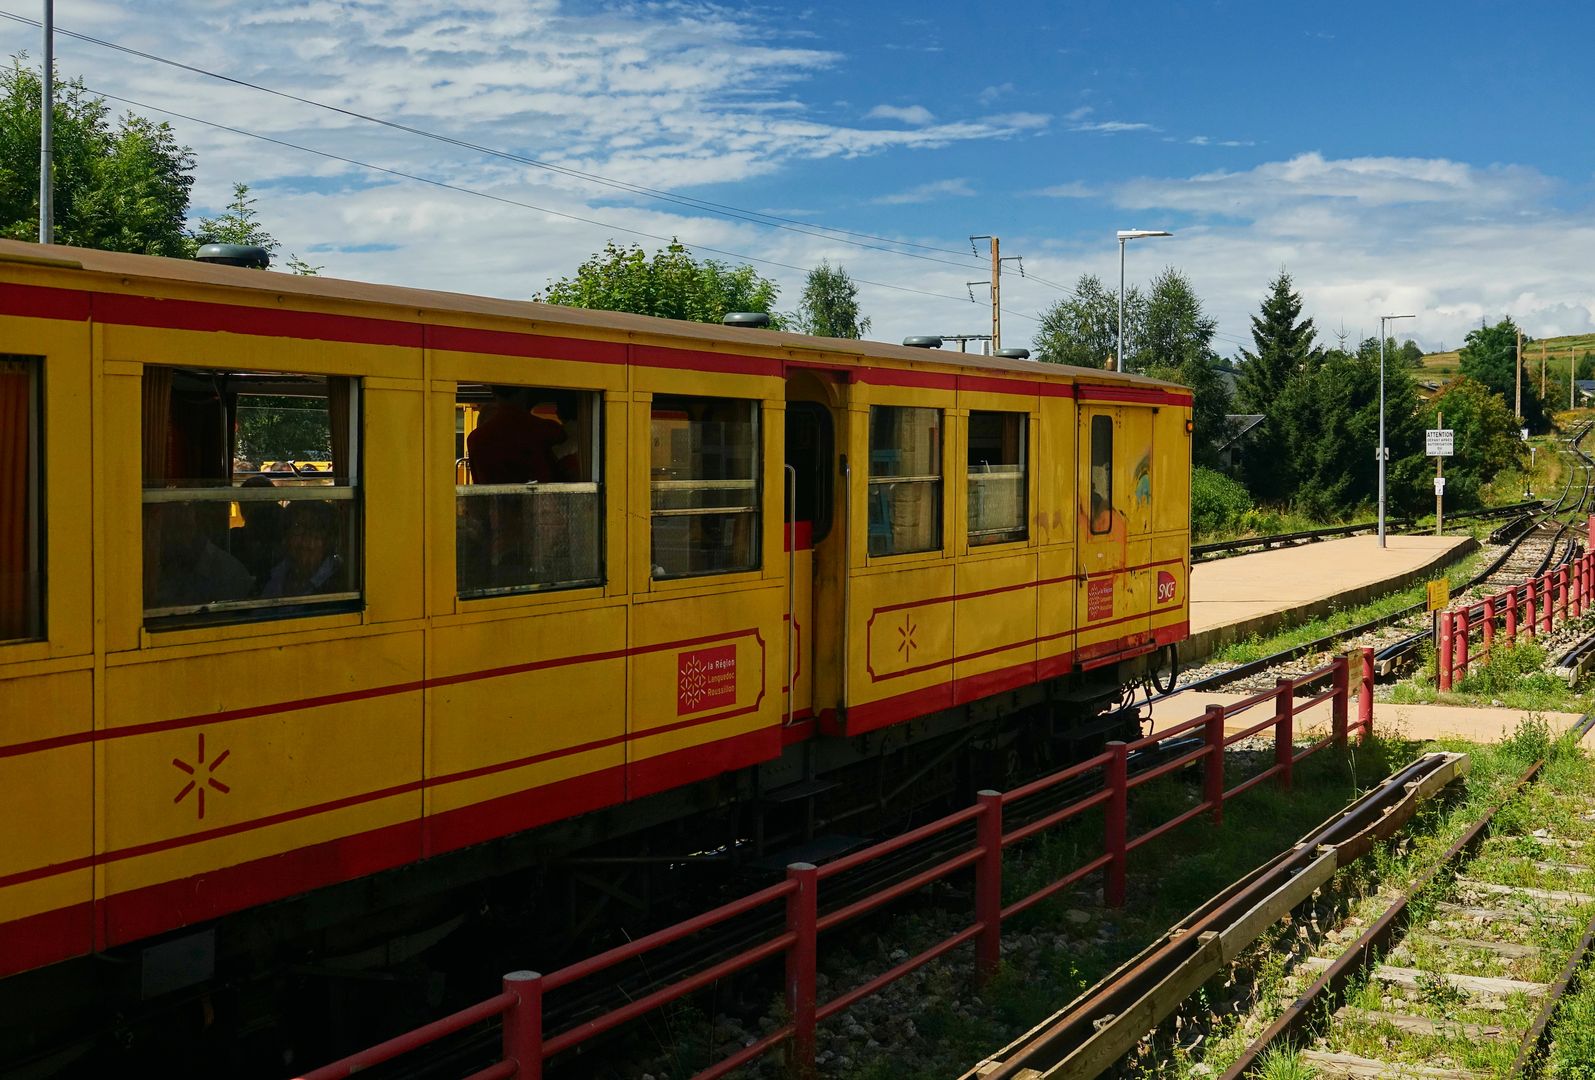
[339,393]
[16,387]
[157,420]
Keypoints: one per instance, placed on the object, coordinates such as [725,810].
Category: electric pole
[1542,369]
[1520,377]
[996,285]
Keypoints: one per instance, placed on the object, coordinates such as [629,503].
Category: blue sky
[1425,158]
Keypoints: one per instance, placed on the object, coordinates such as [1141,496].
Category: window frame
[256,610]
[34,622]
[1020,532]
[936,482]
[595,447]
[1107,424]
[753,509]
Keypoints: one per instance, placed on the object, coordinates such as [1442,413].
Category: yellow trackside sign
[1439,594]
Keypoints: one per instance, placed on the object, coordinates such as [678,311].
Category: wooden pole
[1542,369]
[996,299]
[1520,377]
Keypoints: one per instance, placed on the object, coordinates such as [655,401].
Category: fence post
[1339,703]
[1365,696]
[1564,575]
[1284,730]
[1575,596]
[1511,616]
[1547,600]
[1213,768]
[1489,627]
[802,961]
[988,884]
[1442,654]
[523,1024]
[1459,636]
[1116,777]
[1530,619]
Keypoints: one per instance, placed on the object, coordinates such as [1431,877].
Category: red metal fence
[526,1047]
[1534,607]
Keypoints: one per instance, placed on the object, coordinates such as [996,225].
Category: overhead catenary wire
[506,200]
[724,209]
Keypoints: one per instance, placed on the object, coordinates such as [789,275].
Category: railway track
[1224,548]
[1461,975]
[1458,979]
[1529,545]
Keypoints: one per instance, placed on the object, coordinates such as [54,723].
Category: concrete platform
[1253,595]
[1418,722]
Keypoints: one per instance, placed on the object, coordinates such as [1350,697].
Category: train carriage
[222,686]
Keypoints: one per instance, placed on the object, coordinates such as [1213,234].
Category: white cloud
[1112,127]
[935,189]
[991,93]
[1449,241]
[1076,115]
[1073,189]
[908,114]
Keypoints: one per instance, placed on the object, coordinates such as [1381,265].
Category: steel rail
[1376,941]
[1103,1024]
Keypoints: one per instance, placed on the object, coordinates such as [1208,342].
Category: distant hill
[1440,366]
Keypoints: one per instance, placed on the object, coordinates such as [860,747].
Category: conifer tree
[1284,346]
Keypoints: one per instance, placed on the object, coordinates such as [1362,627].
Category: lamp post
[1129,234]
[1382,452]
[46,129]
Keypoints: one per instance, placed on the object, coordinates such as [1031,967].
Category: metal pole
[1520,377]
[1123,356]
[1439,478]
[1381,431]
[46,129]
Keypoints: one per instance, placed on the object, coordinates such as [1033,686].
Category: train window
[905,477]
[251,495]
[1101,474]
[21,492]
[997,486]
[528,502]
[705,486]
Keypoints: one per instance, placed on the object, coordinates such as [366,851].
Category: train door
[1112,602]
[810,502]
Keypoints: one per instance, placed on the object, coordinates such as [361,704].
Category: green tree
[1490,356]
[1329,419]
[671,284]
[1410,354]
[1283,349]
[1282,346]
[829,307]
[239,225]
[1175,343]
[1586,367]
[120,186]
[1486,437]
[1082,329]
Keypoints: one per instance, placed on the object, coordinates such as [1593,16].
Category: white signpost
[1439,443]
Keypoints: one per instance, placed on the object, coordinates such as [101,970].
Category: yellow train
[717,556]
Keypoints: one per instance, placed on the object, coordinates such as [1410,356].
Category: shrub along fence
[1105,780]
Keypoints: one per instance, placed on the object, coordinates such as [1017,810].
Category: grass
[1511,677]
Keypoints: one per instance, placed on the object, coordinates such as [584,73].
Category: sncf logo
[1167,587]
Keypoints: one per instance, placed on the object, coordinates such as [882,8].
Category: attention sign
[1439,594]
[706,679]
[1099,599]
[1438,442]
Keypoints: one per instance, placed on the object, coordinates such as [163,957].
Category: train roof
[547,316]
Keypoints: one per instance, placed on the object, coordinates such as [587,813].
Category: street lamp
[1383,452]
[1129,234]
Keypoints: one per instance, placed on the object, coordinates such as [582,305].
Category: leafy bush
[1217,502]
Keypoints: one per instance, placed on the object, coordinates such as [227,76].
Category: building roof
[1240,425]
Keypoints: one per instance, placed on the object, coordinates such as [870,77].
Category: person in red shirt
[510,445]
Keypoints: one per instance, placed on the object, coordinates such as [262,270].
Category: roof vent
[1014,354]
[929,341]
[755,319]
[235,255]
